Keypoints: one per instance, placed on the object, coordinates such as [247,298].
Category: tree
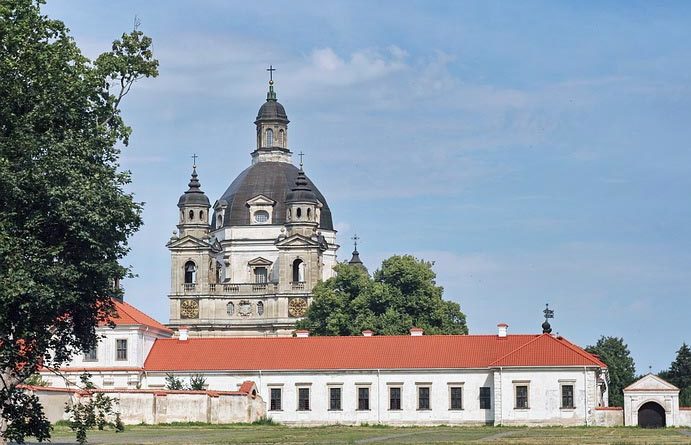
[197,382]
[89,411]
[620,366]
[679,374]
[173,383]
[401,294]
[65,217]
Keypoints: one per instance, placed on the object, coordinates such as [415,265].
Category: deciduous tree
[65,217]
[621,368]
[400,295]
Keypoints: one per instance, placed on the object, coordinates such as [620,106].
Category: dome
[273,180]
[301,192]
[194,196]
[272,110]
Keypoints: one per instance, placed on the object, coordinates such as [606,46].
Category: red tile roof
[377,352]
[130,315]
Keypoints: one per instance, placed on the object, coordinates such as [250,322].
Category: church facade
[246,265]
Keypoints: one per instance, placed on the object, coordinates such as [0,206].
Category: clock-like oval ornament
[189,309]
[297,307]
[245,308]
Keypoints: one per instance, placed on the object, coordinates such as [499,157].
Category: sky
[536,152]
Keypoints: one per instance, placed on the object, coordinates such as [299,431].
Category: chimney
[182,333]
[367,333]
[416,332]
[503,330]
[302,333]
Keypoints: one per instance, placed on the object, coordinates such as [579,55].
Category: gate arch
[651,415]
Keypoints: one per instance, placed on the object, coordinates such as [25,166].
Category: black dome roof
[272,110]
[273,180]
[194,196]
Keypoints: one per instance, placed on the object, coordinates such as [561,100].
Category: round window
[261,216]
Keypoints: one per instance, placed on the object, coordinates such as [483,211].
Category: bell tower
[194,208]
[272,129]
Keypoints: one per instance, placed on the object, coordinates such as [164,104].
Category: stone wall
[685,416]
[608,416]
[155,406]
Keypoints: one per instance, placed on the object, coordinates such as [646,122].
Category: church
[242,273]
[246,266]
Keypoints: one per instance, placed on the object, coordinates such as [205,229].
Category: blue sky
[535,151]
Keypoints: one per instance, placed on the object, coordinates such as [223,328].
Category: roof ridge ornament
[549,313]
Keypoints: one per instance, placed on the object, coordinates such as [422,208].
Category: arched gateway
[651,415]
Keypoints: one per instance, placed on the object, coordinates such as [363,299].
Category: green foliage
[679,374]
[197,382]
[36,380]
[264,420]
[89,414]
[66,217]
[119,426]
[621,368]
[173,383]
[400,295]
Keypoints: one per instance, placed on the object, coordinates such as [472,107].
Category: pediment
[189,242]
[297,241]
[260,200]
[652,383]
[259,261]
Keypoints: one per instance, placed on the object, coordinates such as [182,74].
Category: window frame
[280,397]
[488,399]
[516,386]
[299,391]
[118,349]
[563,384]
[91,355]
[399,388]
[452,387]
[366,388]
[419,389]
[331,398]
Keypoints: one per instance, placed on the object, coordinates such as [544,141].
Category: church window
[219,272]
[90,355]
[521,396]
[298,271]
[309,214]
[455,397]
[298,213]
[363,398]
[275,396]
[219,221]
[260,275]
[269,138]
[201,215]
[190,272]
[485,398]
[191,215]
[423,397]
[394,398]
[121,349]
[281,138]
[290,214]
[303,399]
[261,216]
[567,396]
[260,308]
[335,395]
[230,309]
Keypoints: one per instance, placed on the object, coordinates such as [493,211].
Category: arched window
[281,139]
[261,216]
[269,138]
[309,214]
[290,214]
[191,215]
[182,216]
[298,213]
[190,272]
[201,215]
[219,221]
[219,272]
[260,275]
[298,271]
[230,309]
[260,308]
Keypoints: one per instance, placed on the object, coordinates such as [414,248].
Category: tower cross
[355,239]
[301,154]
[194,160]
[271,70]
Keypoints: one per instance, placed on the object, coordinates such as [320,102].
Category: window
[456,397]
[521,396]
[335,398]
[90,355]
[567,396]
[309,214]
[298,213]
[201,215]
[260,275]
[275,396]
[485,398]
[269,138]
[219,221]
[281,139]
[303,399]
[219,272]
[261,216]
[363,398]
[190,272]
[121,349]
[298,271]
[230,309]
[423,397]
[394,399]
[260,308]
[191,215]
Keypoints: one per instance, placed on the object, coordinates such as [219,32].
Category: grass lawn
[278,434]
